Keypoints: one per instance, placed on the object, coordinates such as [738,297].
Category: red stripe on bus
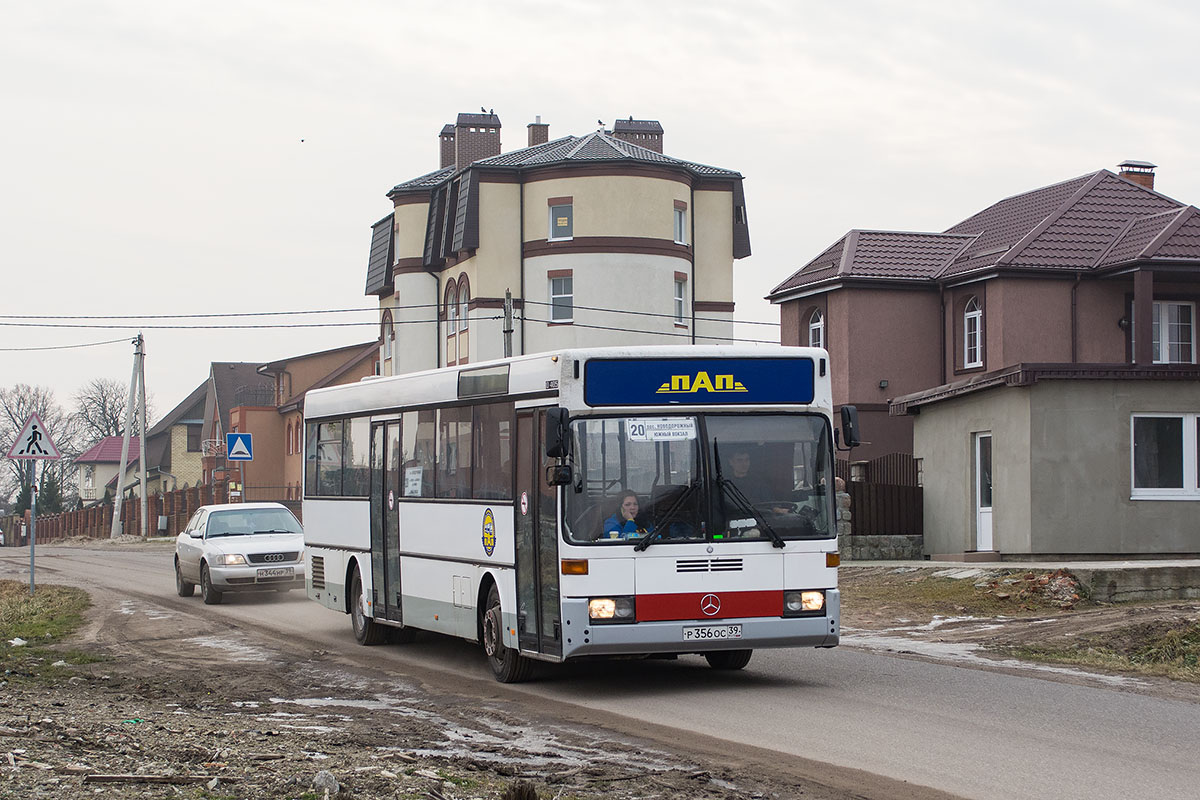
[696,605]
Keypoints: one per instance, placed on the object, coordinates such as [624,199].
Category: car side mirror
[196,534]
[850,436]
[558,433]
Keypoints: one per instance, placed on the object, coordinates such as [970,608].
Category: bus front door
[539,625]
[385,520]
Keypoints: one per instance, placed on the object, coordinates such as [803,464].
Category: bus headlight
[611,609]
[804,604]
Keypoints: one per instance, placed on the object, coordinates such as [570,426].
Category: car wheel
[508,665]
[728,659]
[366,630]
[182,587]
[211,596]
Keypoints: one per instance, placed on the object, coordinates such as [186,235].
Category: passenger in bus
[623,524]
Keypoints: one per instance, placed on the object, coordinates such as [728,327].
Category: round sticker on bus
[489,532]
[524,503]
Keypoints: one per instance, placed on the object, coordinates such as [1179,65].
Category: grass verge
[42,620]
[1155,649]
[917,593]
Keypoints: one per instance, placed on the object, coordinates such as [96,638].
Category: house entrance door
[983,491]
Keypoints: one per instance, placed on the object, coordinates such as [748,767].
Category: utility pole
[140,359]
[136,379]
[508,323]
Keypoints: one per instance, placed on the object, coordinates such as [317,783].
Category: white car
[239,547]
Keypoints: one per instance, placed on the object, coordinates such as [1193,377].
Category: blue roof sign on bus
[698,381]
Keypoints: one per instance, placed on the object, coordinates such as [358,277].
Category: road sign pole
[32,519]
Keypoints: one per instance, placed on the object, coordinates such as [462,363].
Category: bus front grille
[708,565]
[318,572]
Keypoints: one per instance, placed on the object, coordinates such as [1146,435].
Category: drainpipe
[943,334]
[521,251]
[1075,319]
[437,319]
[692,254]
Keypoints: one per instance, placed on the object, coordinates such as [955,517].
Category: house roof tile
[108,451]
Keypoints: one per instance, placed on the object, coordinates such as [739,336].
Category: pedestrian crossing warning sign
[239,447]
[34,441]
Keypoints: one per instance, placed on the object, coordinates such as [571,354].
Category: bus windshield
[710,477]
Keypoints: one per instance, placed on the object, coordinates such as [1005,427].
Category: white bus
[627,501]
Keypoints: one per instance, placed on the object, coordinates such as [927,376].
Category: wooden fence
[887,499]
[96,522]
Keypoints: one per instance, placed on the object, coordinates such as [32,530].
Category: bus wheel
[507,664]
[728,659]
[365,629]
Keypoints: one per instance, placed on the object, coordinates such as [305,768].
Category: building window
[193,438]
[973,334]
[680,302]
[464,299]
[451,309]
[289,438]
[561,222]
[1166,448]
[387,332]
[816,329]
[680,225]
[562,299]
[1174,333]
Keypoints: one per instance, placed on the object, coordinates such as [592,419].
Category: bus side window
[492,434]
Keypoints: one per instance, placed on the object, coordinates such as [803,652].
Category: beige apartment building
[600,239]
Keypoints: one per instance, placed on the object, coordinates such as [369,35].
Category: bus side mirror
[850,437]
[558,433]
[558,475]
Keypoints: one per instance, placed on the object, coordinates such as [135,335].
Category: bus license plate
[711,633]
[275,572]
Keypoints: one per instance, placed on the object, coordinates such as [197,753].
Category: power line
[63,346]
[659,333]
[203,316]
[651,313]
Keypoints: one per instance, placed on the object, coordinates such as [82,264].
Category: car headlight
[230,560]
[611,609]
[804,603]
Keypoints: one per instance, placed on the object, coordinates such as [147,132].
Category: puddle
[236,650]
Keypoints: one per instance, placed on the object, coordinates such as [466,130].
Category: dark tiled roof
[108,451]
[484,120]
[632,125]
[881,254]
[427,181]
[596,146]
[1093,221]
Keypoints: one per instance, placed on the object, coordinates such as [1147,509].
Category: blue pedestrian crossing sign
[239,447]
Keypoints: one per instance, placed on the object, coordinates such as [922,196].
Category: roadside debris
[1030,589]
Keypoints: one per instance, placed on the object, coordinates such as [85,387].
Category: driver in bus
[756,488]
[623,524]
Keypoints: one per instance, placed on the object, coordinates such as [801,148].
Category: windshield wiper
[729,489]
[663,524]
[277,530]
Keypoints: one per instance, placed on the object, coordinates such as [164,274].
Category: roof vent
[1139,172]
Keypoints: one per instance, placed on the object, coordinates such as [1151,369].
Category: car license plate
[711,633]
[275,572]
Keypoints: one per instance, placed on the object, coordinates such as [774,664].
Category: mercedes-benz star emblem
[710,604]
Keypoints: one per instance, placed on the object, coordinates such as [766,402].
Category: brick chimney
[539,132]
[476,136]
[1139,172]
[645,132]
[446,140]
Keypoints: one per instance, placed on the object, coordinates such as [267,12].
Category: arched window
[289,439]
[464,297]
[387,333]
[816,329]
[451,308]
[973,333]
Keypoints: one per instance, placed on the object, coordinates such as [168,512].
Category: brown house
[1039,357]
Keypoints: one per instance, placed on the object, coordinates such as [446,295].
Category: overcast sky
[161,157]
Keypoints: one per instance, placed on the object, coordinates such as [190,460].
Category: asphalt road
[977,733]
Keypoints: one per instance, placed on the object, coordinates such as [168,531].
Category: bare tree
[100,409]
[16,404]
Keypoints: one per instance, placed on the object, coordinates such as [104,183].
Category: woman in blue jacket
[624,524]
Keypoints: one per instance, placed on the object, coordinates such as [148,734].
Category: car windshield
[244,522]
[700,478]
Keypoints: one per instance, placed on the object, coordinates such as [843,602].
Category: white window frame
[1191,475]
[973,334]
[550,237]
[452,311]
[1161,327]
[680,226]
[569,294]
[681,301]
[816,329]
[464,300]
